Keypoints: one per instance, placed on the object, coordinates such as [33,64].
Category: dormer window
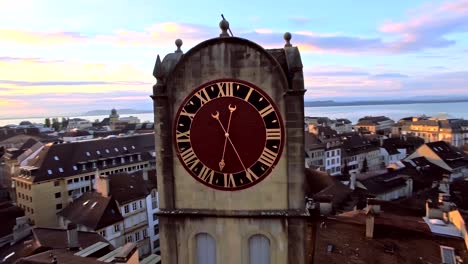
[49,172]
[113,161]
[104,163]
[88,154]
[56,158]
[139,156]
[61,169]
[131,158]
[84,167]
[116,149]
[133,147]
[122,160]
[98,152]
[107,151]
[75,168]
[125,148]
[94,165]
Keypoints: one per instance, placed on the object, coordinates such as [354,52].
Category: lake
[353,113]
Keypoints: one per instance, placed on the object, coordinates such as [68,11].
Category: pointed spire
[157,72]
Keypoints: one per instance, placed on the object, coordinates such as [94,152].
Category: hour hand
[221,165]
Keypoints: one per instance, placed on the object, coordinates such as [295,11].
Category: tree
[365,167]
[346,169]
[55,124]
[64,122]
[47,122]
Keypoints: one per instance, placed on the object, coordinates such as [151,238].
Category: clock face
[228,134]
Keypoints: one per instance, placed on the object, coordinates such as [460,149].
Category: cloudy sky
[59,57]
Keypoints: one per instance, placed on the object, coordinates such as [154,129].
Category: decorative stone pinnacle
[224,25]
[287,37]
[178,43]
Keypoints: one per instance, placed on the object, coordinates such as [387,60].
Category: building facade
[60,173]
[205,216]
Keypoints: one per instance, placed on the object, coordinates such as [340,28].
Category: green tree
[55,124]
[47,122]
[64,122]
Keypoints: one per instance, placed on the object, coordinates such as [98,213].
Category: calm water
[353,113]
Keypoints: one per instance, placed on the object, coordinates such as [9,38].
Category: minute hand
[229,139]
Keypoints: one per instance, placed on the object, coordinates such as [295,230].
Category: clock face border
[264,95]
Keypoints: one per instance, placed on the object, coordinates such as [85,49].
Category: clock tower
[229,132]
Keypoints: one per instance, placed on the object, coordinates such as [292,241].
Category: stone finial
[287,37]
[158,72]
[224,25]
[178,43]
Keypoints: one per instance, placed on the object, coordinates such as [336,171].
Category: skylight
[98,152]
[94,204]
[133,147]
[124,148]
[56,158]
[61,169]
[75,168]
[107,151]
[49,172]
[88,154]
[85,203]
[116,149]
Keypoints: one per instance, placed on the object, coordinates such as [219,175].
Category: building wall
[43,207]
[235,249]
[333,161]
[402,192]
[136,225]
[152,207]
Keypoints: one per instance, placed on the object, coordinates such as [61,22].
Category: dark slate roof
[76,133]
[385,182]
[312,142]
[392,150]
[76,154]
[353,144]
[8,215]
[126,188]
[316,181]
[56,238]
[452,156]
[92,210]
[60,255]
[459,193]
[28,144]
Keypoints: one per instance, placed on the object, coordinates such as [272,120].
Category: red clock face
[228,135]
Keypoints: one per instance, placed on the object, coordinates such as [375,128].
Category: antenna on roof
[230,32]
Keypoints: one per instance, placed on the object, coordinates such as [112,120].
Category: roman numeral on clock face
[225,89]
[183,136]
[229,180]
[273,133]
[268,157]
[206,174]
[267,110]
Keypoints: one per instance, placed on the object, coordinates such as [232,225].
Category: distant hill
[119,111]
[383,102]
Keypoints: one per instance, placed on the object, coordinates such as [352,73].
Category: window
[61,169]
[141,204]
[88,154]
[259,249]
[86,178]
[75,168]
[116,228]
[134,206]
[156,229]
[205,249]
[137,236]
[145,233]
[107,151]
[70,192]
[328,154]
[94,165]
[448,255]
[56,158]
[49,172]
[116,149]
[84,167]
[126,209]
[102,233]
[56,183]
[129,238]
[58,206]
[58,195]
[98,152]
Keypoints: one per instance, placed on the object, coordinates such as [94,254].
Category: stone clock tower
[229,118]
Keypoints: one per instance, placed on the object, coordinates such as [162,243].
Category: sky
[66,57]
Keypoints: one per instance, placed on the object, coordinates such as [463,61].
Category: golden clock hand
[231,110]
[216,116]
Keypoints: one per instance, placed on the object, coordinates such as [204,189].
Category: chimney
[102,185]
[145,174]
[381,141]
[128,254]
[372,210]
[374,204]
[352,180]
[433,211]
[72,237]
[325,204]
